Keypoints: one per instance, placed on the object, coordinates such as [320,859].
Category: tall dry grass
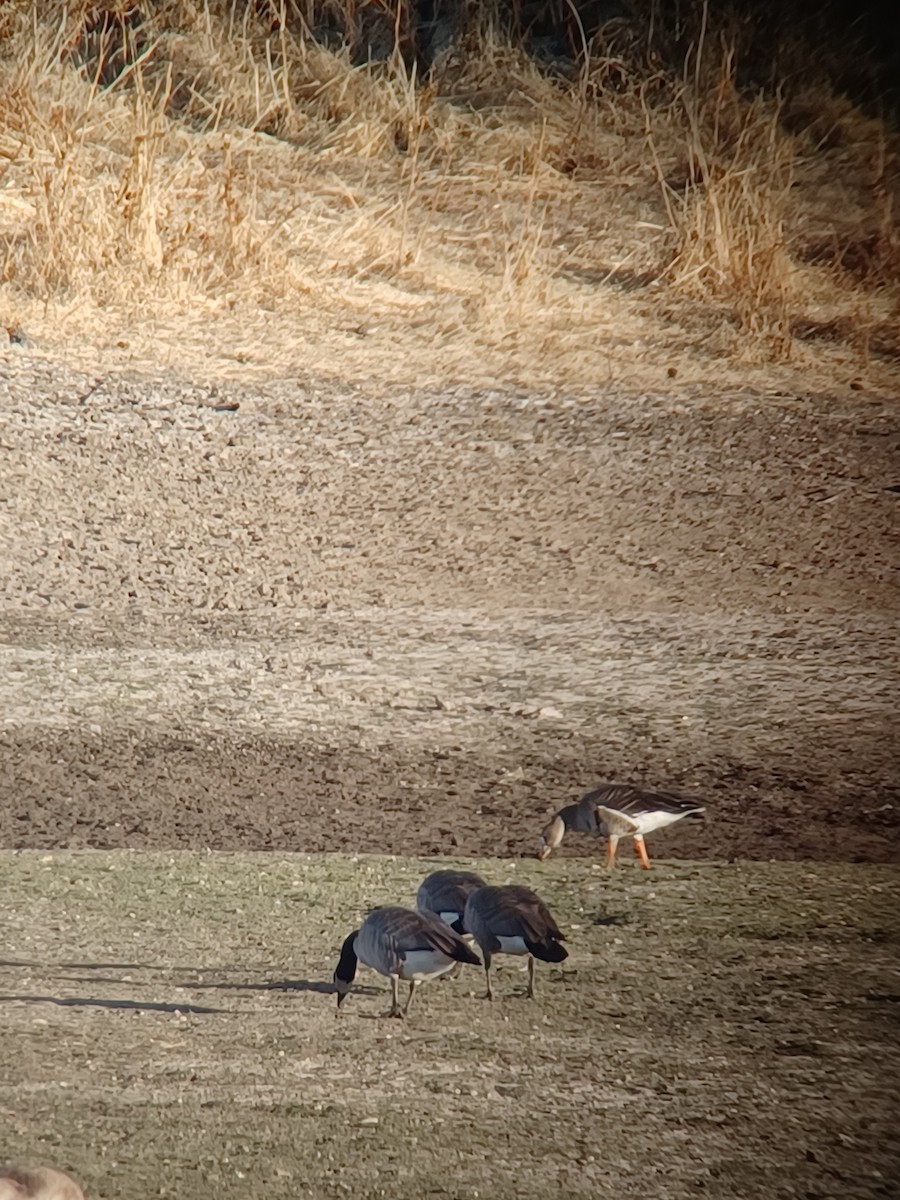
[728,212]
[206,154]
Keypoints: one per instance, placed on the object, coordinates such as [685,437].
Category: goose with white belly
[619,810]
[513,920]
[445,893]
[400,944]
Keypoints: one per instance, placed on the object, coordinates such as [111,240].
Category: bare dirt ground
[298,614]
[718,1030]
[302,615]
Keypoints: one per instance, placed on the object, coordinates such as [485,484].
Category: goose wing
[390,933]
[447,891]
[516,911]
[537,921]
[626,800]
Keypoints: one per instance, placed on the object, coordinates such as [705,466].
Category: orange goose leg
[611,844]
[641,851]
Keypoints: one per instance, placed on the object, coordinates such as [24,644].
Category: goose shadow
[324,987]
[103,1002]
[79,966]
[192,985]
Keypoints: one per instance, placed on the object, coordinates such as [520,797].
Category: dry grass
[214,167]
[729,214]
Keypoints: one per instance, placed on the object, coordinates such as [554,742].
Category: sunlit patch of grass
[214,159]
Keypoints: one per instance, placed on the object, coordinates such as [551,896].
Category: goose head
[345,971]
[551,837]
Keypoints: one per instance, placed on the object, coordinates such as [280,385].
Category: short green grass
[167,1030]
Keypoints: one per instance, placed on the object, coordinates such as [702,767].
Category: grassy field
[167,1029]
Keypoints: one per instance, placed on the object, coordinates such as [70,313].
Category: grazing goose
[619,810]
[401,944]
[513,920]
[445,893]
[37,1183]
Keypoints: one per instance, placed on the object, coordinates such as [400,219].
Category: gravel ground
[306,616]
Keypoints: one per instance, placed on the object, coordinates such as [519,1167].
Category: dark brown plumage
[513,920]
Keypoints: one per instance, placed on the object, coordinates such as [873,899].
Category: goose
[619,810]
[445,893]
[401,944]
[37,1183]
[513,920]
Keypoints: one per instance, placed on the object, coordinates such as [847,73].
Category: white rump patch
[647,822]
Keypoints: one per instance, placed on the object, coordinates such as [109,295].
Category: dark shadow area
[880,340]
[853,46]
[80,966]
[223,799]
[325,987]
[94,980]
[96,1002]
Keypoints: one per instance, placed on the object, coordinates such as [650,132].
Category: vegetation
[530,176]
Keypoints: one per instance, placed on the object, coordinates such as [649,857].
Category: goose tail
[463,954]
[548,950]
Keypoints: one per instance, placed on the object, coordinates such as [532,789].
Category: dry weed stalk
[138,197]
[728,214]
[525,272]
[886,255]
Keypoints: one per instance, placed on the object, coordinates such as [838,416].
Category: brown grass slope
[240,179]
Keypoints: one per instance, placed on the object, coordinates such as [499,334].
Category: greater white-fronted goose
[445,893]
[401,944]
[513,920]
[619,810]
